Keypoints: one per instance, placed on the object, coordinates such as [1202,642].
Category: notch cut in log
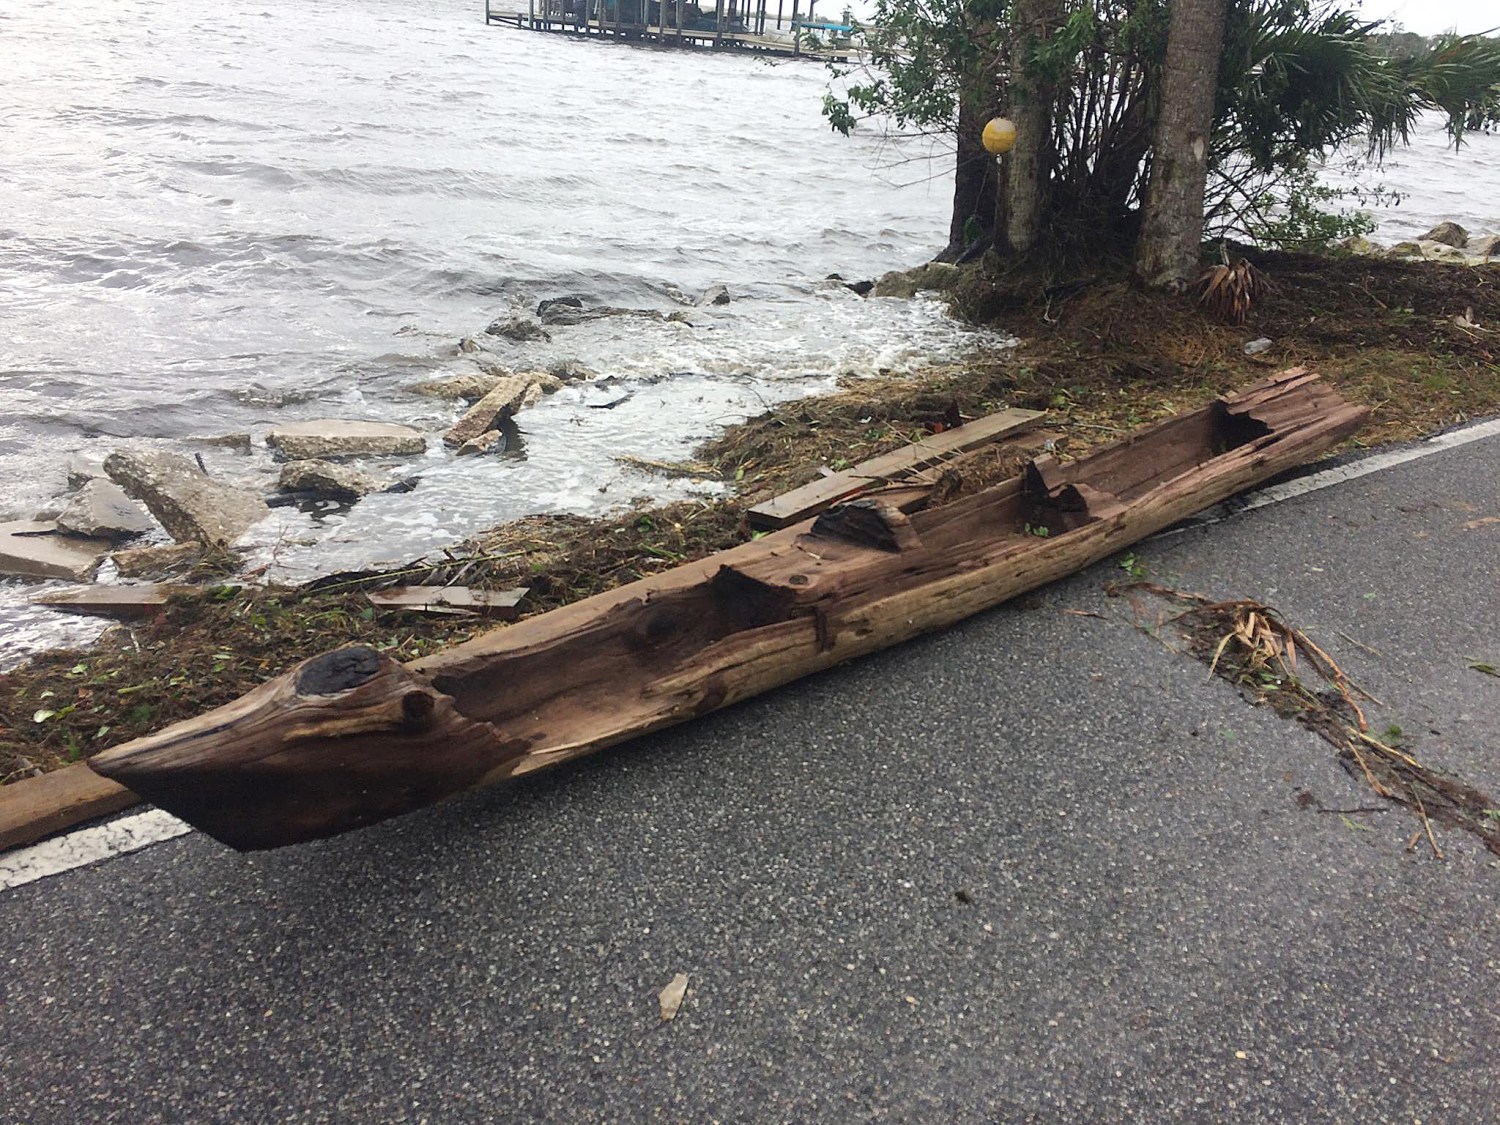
[349,738]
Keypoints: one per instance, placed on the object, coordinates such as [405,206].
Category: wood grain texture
[819,495]
[312,753]
[40,806]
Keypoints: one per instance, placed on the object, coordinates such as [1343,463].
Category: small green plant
[1133,566]
[1040,530]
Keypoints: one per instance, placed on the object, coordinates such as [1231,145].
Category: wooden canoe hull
[350,737]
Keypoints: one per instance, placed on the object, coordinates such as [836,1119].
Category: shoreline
[1101,361]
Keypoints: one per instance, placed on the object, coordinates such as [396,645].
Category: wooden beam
[816,496]
[351,737]
[40,806]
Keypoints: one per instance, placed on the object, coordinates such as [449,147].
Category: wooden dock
[745,25]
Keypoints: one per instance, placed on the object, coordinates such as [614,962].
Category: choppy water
[215,218]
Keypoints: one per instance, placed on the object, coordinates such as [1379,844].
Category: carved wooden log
[350,737]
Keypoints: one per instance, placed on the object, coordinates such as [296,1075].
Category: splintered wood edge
[39,806]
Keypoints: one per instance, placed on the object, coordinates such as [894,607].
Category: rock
[84,467]
[715,295]
[1404,250]
[518,329]
[908,283]
[1449,234]
[1484,247]
[1441,252]
[187,502]
[863,288]
[571,371]
[556,302]
[1255,347]
[549,383]
[102,510]
[508,396]
[693,318]
[239,443]
[29,549]
[1359,244]
[469,346]
[451,388]
[491,441]
[331,439]
[676,294]
[327,481]
[157,562]
[567,315]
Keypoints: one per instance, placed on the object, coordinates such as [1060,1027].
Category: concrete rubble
[330,439]
[327,481]
[36,549]
[191,505]
[513,393]
[101,509]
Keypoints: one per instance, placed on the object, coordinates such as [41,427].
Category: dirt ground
[1417,342]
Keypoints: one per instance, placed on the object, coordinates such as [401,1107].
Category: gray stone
[451,388]
[1404,250]
[84,467]
[1483,247]
[1359,244]
[571,371]
[1441,252]
[469,346]
[554,302]
[157,562]
[327,481]
[518,329]
[1449,234]
[715,295]
[487,442]
[508,396]
[238,443]
[693,318]
[331,439]
[187,502]
[29,549]
[101,509]
[908,283]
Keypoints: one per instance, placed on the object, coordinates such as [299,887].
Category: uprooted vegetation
[1252,646]
[1416,341]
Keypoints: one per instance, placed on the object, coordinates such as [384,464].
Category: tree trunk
[973,186]
[1172,215]
[1030,161]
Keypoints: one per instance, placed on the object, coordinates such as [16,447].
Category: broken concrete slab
[32,549]
[327,481]
[491,441]
[508,396]
[157,562]
[332,439]
[191,505]
[127,603]
[715,295]
[470,387]
[569,315]
[102,510]
[84,467]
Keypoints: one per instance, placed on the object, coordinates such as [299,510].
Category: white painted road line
[86,846]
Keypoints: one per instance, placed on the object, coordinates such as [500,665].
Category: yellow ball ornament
[999,135]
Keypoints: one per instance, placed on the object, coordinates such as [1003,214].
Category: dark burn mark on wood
[338,671]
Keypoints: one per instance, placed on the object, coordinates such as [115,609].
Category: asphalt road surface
[1036,868]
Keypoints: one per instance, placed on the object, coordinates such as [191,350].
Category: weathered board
[351,737]
[42,805]
[819,495]
[503,604]
[125,602]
